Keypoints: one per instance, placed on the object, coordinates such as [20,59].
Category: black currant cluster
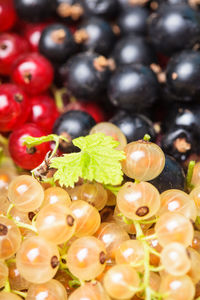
[139,60]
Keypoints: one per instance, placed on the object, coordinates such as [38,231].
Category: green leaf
[98,160]
[31,141]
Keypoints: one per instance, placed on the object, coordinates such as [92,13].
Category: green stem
[189,174]
[58,95]
[149,221]
[9,210]
[148,237]
[22,294]
[26,226]
[147,138]
[3,140]
[7,287]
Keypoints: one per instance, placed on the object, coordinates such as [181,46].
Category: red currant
[33,73]
[32,33]
[11,46]
[7,15]
[22,156]
[14,107]
[90,107]
[43,112]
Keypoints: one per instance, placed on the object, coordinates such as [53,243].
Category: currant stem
[26,226]
[22,294]
[9,210]
[148,237]
[58,93]
[3,140]
[189,174]
[7,287]
[147,138]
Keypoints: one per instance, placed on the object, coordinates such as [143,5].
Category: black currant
[172,176]
[73,124]
[101,8]
[86,75]
[57,43]
[133,87]
[97,35]
[174,27]
[179,143]
[133,20]
[183,75]
[133,49]
[134,126]
[33,10]
[69,10]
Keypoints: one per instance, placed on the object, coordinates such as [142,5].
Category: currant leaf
[98,160]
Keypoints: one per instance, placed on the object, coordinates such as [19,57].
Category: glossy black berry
[133,49]
[172,176]
[134,126]
[100,8]
[184,115]
[183,74]
[68,10]
[174,27]
[133,87]
[97,35]
[86,75]
[133,20]
[73,124]
[57,43]
[33,10]
[179,143]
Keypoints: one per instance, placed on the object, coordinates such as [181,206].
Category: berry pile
[99,152]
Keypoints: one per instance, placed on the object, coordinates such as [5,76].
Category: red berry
[43,112]
[11,46]
[7,15]
[90,107]
[32,33]
[14,107]
[22,156]
[33,72]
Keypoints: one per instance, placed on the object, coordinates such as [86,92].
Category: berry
[112,130]
[133,49]
[14,107]
[33,10]
[121,281]
[10,238]
[96,35]
[53,289]
[33,73]
[11,47]
[102,8]
[174,28]
[3,274]
[86,258]
[144,160]
[183,75]
[86,75]
[145,203]
[133,87]
[26,193]
[172,176]
[54,195]
[37,260]
[32,33]
[7,15]
[73,124]
[57,43]
[133,126]
[179,143]
[133,20]
[90,107]
[22,156]
[56,223]
[43,112]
